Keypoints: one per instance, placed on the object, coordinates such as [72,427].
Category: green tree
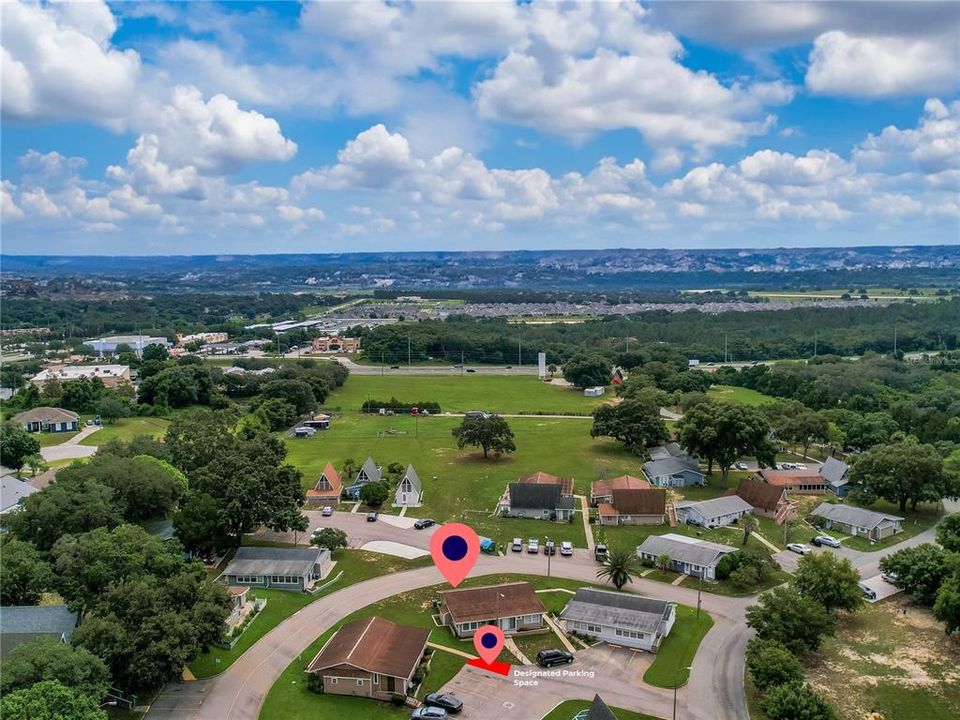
[36,464]
[794,620]
[619,567]
[772,664]
[49,700]
[490,433]
[155,351]
[587,370]
[82,395]
[946,607]
[50,659]
[198,527]
[637,425]
[796,701]
[748,524]
[804,429]
[24,574]
[297,393]
[277,414]
[918,570]
[330,538]
[63,508]
[905,472]
[52,390]
[16,445]
[723,432]
[374,494]
[111,408]
[829,580]
[948,533]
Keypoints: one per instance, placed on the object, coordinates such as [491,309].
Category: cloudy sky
[155,128]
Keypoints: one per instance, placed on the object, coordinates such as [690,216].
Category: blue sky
[178,128]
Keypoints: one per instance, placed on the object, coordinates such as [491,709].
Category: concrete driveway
[71,449]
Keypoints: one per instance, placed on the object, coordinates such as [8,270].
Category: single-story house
[674,471]
[371,658]
[369,473]
[598,710]
[836,473]
[618,618]
[26,623]
[634,507]
[12,491]
[602,490]
[858,522]
[662,452]
[539,496]
[688,555]
[716,512]
[48,419]
[514,607]
[767,500]
[327,489]
[409,489]
[280,568]
[804,482]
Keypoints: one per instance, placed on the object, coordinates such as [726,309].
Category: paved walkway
[452,651]
[510,645]
[766,542]
[559,633]
[587,527]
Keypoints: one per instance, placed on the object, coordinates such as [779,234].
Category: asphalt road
[442,370]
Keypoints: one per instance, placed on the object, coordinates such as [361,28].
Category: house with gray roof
[12,491]
[713,513]
[48,419]
[278,568]
[537,501]
[856,521]
[688,556]
[837,474]
[409,489]
[662,452]
[674,471]
[369,473]
[26,623]
[619,618]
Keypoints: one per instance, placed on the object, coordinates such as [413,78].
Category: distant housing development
[109,375]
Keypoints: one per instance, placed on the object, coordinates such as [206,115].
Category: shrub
[398,699]
[772,664]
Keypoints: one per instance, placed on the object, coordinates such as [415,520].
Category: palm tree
[619,567]
[664,562]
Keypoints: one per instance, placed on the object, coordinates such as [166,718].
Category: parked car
[549,658]
[825,540]
[741,465]
[428,712]
[549,548]
[566,548]
[477,414]
[533,546]
[600,553]
[450,703]
[517,545]
[889,577]
[868,592]
[471,370]
[800,466]
[327,511]
[394,367]
[424,523]
[798,548]
[372,517]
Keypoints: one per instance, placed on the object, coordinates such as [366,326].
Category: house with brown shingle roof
[371,658]
[767,500]
[637,506]
[797,480]
[515,607]
[601,491]
[327,489]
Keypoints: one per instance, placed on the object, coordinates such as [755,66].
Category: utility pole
[520,347]
[408,350]
[461,363]
[546,549]
[381,363]
[894,339]
[724,347]
[815,337]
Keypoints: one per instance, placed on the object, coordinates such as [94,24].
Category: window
[249,579]
[333,681]
[630,634]
[284,579]
[527,619]
[376,679]
[359,682]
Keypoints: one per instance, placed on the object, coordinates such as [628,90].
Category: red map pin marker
[454,548]
[488,641]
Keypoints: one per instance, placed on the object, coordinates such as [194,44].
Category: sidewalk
[587,527]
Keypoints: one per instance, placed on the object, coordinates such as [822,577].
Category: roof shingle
[375,645]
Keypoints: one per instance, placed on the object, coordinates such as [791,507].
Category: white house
[619,618]
[688,556]
[409,489]
[713,513]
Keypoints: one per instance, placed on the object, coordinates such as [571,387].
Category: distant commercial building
[108,345]
[206,337]
[109,375]
[336,343]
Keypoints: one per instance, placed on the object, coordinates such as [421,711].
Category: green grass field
[47,439]
[508,394]
[678,650]
[731,393]
[357,565]
[126,428]
[290,699]
[567,710]
[462,485]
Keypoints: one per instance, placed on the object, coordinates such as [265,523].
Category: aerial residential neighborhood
[502,360]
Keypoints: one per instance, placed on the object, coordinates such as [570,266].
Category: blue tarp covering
[487,545]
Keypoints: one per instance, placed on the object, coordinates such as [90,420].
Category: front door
[391,684]
[509,623]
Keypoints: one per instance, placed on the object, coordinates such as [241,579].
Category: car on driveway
[517,545]
[533,546]
[600,553]
[566,548]
[372,517]
[428,712]
[424,523]
[450,703]
[868,592]
[798,548]
[889,577]
[549,658]
[825,540]
[327,511]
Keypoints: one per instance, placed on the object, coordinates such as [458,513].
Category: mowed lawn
[126,428]
[460,484]
[731,393]
[509,394]
[676,653]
